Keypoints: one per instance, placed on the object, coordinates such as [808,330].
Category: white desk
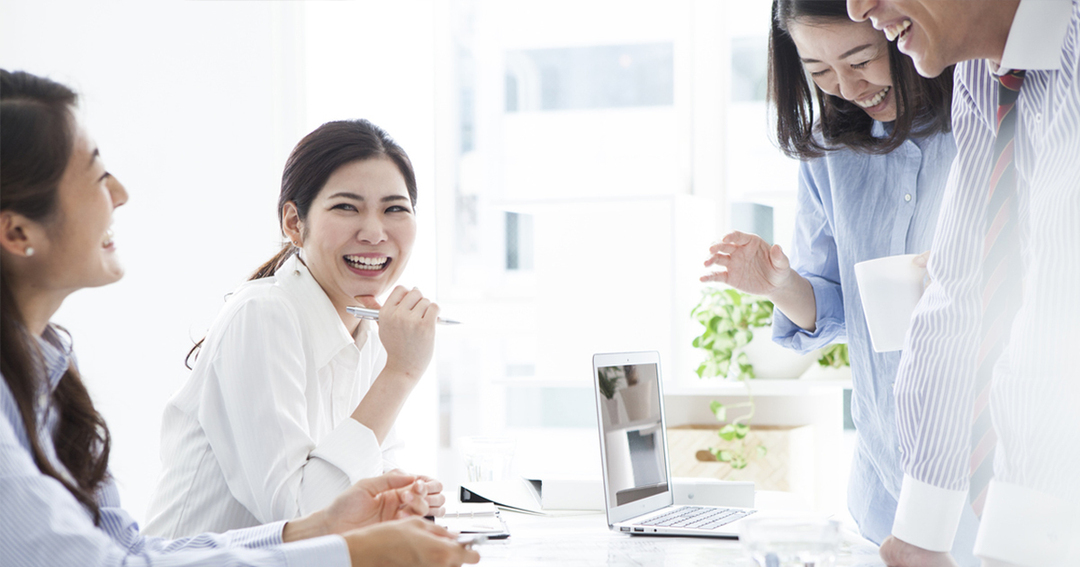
[584,540]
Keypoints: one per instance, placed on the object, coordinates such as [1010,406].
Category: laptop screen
[631,428]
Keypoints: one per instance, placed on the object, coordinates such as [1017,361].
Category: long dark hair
[37,139]
[311,163]
[923,106]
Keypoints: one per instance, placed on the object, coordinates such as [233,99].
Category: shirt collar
[877,129]
[1036,36]
[318,317]
[55,345]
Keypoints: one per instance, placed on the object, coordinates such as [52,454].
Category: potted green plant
[729,318]
[832,364]
[608,380]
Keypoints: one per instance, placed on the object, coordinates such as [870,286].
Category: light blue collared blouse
[855,207]
[42,524]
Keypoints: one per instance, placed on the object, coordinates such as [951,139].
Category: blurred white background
[574,159]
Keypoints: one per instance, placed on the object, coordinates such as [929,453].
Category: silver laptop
[633,452]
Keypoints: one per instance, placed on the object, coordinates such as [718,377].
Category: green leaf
[762,451]
[724,456]
[742,337]
[741,430]
[718,410]
[714,323]
[727,433]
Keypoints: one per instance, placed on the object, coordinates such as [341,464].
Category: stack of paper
[474,518]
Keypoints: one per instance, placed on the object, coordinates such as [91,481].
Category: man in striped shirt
[1030,512]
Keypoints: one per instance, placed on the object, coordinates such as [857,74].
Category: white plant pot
[772,361]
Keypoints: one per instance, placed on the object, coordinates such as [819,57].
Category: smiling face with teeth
[847,60]
[939,33]
[359,230]
[73,246]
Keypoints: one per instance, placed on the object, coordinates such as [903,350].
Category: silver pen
[373,314]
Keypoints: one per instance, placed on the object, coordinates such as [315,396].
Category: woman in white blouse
[292,399]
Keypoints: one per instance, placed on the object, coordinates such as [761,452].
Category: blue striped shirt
[41,523]
[1036,384]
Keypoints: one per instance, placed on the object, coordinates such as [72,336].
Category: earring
[29,251]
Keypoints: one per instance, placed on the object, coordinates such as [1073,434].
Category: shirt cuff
[828,326]
[330,551]
[927,516]
[1025,526]
[257,537]
[352,448]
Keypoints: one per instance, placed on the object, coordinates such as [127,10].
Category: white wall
[194,106]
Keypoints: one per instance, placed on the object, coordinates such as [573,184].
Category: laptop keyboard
[696,517]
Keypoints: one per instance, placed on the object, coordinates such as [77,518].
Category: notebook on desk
[633,452]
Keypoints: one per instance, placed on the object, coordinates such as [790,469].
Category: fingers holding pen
[407,331]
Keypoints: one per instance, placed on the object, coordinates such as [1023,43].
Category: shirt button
[907,197]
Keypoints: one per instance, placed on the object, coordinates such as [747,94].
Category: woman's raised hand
[749,263]
[406,329]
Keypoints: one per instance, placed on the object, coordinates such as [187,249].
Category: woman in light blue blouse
[872,177]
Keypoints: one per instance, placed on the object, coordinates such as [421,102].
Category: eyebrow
[93,157]
[356,197]
[845,55]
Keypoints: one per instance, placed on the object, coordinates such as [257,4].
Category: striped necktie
[1001,283]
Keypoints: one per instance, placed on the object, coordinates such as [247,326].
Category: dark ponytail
[36,142]
[311,163]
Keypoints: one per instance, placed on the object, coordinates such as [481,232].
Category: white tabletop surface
[583,539]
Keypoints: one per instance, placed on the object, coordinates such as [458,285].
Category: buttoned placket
[906,193]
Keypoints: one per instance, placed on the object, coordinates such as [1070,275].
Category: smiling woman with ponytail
[291,398]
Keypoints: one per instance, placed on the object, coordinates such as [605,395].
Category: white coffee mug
[890,288]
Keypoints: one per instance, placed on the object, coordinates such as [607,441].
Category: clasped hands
[381,519]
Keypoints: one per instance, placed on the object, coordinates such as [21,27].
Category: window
[580,179]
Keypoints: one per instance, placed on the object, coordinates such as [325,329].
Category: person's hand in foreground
[898,553]
[751,265]
[412,541]
[436,500]
[370,501]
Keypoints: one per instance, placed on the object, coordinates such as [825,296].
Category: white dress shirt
[1030,516]
[262,431]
